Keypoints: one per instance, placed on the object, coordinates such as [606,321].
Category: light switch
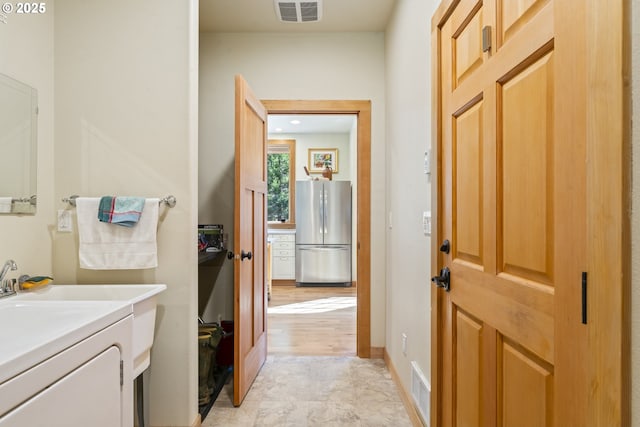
[65,224]
[427,162]
[426,223]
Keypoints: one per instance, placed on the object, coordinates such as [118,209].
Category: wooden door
[250,219]
[512,344]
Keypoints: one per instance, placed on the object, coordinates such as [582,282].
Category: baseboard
[280,282]
[376,352]
[405,396]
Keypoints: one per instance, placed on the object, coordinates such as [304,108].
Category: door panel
[514,14]
[337,208]
[469,333]
[526,182]
[526,388]
[467,46]
[250,295]
[469,182]
[309,212]
[323,264]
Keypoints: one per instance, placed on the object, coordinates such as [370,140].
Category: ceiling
[260,16]
[310,123]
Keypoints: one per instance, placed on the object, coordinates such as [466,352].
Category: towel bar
[169,200]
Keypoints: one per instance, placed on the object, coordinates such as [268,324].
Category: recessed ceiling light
[295,122]
[278,129]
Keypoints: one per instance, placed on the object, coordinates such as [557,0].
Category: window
[281,181]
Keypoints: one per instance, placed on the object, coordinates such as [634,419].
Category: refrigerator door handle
[325,207]
[321,212]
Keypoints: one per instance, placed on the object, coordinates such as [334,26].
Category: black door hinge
[121,373]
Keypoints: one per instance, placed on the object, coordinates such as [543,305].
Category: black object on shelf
[211,238]
[211,259]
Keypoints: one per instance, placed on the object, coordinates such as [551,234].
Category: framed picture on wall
[320,158]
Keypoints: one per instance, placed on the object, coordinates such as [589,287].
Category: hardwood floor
[312,321]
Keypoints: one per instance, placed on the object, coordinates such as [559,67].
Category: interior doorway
[362,243]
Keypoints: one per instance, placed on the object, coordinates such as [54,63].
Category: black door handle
[244,255]
[443,280]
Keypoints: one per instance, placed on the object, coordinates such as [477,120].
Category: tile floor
[307,391]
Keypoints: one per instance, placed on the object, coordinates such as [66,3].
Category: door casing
[362,109]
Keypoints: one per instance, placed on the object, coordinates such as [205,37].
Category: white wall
[288,66]
[26,54]
[407,49]
[126,124]
[304,141]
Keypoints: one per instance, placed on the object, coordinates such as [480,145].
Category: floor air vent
[421,392]
[298,11]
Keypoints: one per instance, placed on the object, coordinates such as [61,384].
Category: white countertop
[281,231]
[32,331]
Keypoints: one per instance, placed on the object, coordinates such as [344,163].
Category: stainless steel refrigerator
[323,233]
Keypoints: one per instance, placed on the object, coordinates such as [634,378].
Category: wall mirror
[18,146]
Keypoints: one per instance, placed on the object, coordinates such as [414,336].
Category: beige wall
[312,66]
[125,109]
[340,141]
[125,123]
[407,50]
[26,54]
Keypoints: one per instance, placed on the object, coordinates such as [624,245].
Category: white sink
[143,299]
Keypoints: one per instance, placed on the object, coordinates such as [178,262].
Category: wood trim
[281,226]
[608,207]
[436,192]
[282,282]
[377,352]
[405,396]
[363,110]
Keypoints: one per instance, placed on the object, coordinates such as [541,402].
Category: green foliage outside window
[278,186]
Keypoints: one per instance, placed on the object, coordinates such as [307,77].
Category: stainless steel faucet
[6,286]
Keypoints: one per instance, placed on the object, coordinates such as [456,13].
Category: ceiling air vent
[298,11]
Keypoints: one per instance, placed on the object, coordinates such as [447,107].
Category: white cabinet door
[283,256]
[87,396]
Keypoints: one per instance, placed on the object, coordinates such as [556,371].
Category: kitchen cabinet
[283,255]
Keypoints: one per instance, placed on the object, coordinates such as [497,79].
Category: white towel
[105,246]
[5,204]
